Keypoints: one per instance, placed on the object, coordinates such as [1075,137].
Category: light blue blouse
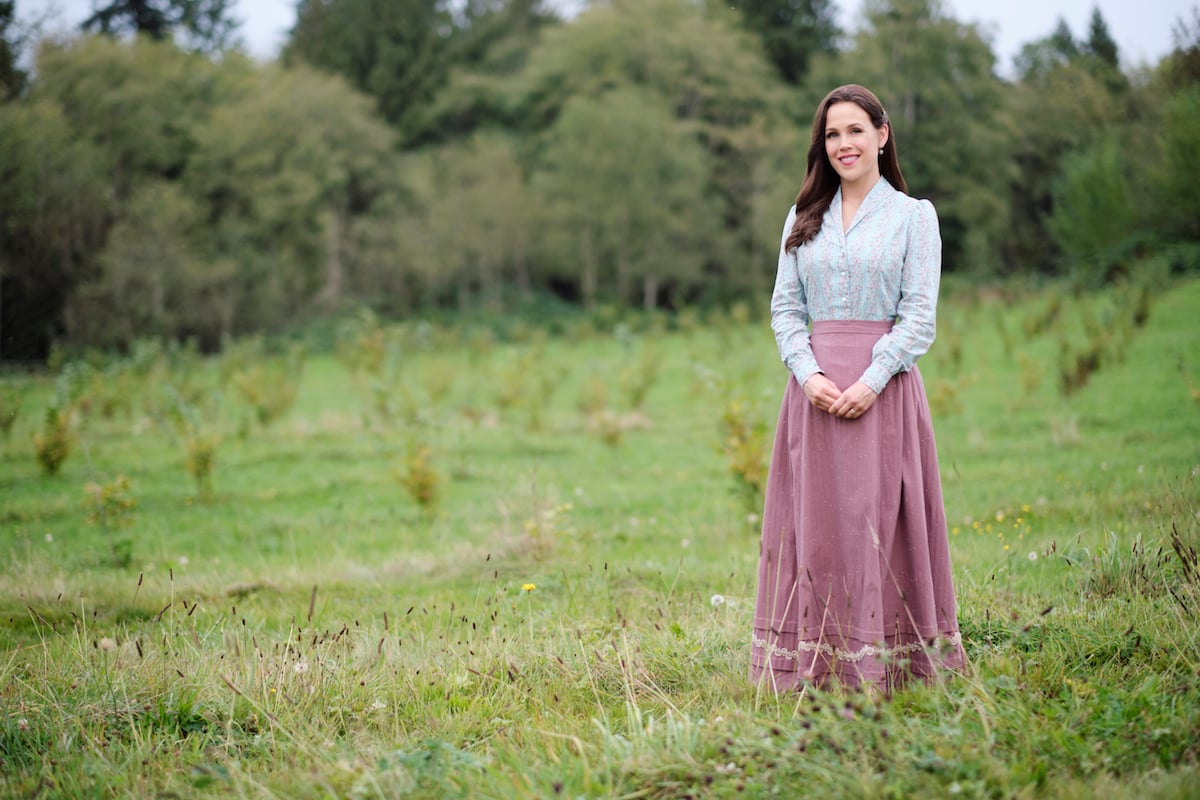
[886,266]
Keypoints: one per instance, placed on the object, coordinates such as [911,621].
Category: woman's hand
[821,391]
[853,402]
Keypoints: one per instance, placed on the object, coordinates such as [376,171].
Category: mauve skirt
[854,582]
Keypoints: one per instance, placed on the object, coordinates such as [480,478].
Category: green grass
[309,630]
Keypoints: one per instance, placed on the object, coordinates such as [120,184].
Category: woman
[854,578]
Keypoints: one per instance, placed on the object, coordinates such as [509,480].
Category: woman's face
[852,143]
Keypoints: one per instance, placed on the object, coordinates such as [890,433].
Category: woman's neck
[854,192]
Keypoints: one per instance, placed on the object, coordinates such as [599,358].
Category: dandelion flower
[528,587]
[301,667]
[717,600]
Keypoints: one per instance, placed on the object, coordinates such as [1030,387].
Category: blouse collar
[882,190]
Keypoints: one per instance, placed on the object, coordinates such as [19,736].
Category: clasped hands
[825,395]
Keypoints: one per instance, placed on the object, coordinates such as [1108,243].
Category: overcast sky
[1142,29]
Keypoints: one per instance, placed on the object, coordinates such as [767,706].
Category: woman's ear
[885,134]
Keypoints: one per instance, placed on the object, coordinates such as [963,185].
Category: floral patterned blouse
[886,266]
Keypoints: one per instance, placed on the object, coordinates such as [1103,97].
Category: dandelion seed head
[49,537]
[183,561]
[107,643]
[717,600]
[1033,555]
[300,667]
[22,724]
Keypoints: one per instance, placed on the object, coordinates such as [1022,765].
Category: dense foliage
[418,154]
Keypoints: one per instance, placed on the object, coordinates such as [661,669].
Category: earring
[881,151]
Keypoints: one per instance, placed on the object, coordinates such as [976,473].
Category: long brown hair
[820,180]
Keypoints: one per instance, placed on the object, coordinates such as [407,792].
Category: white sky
[1142,29]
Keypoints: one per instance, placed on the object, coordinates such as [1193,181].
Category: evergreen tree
[393,50]
[1039,57]
[12,79]
[1100,44]
[1100,56]
[792,31]
[205,25]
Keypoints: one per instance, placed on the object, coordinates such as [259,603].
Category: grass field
[275,613]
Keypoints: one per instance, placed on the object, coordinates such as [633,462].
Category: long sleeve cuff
[876,377]
[803,367]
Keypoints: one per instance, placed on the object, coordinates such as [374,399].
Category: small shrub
[528,383]
[110,508]
[1076,367]
[270,384]
[10,408]
[593,395]
[943,400]
[110,391]
[1031,373]
[1043,319]
[201,460]
[363,345]
[744,440]
[638,378]
[53,444]
[418,476]
[608,425]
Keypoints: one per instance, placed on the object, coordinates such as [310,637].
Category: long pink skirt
[854,579]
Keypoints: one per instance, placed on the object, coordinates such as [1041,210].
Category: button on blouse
[885,266]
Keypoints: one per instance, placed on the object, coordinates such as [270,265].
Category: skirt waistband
[852,326]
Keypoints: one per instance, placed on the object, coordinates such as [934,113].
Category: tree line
[410,155]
